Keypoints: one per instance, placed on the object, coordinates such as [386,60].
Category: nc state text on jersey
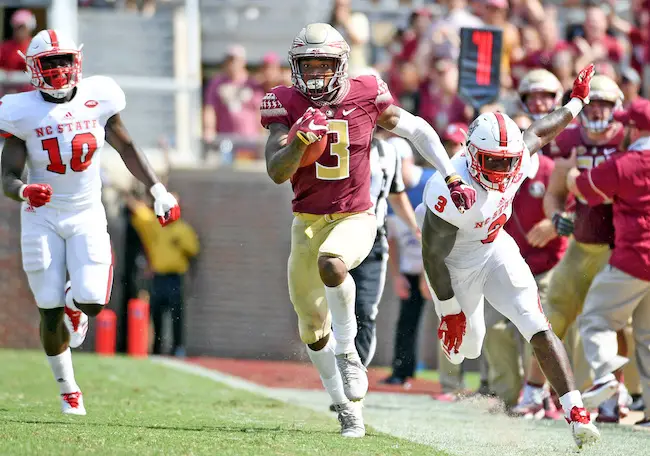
[81,125]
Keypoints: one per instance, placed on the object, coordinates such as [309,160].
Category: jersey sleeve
[273,111]
[112,95]
[384,98]
[438,201]
[8,124]
[599,185]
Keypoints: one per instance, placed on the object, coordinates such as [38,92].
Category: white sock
[325,363]
[69,301]
[61,366]
[340,301]
[570,400]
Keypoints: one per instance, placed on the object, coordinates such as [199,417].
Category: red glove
[451,331]
[37,194]
[581,84]
[462,194]
[312,126]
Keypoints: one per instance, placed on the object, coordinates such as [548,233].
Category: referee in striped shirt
[386,186]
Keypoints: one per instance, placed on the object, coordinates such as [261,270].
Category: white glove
[165,205]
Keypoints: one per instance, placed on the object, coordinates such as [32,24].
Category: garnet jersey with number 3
[64,140]
[339,181]
[479,226]
[593,225]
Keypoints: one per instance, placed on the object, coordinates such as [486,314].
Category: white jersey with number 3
[478,227]
[64,140]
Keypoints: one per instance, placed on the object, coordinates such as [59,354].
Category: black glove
[563,223]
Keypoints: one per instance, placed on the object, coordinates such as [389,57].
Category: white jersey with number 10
[64,140]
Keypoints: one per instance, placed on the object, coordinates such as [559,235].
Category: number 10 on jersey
[84,146]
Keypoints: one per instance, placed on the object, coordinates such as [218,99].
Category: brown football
[314,150]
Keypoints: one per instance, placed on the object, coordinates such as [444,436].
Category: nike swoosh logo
[345,113]
[609,151]
[313,126]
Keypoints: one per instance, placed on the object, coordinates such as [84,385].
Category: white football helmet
[540,80]
[602,88]
[319,41]
[495,148]
[53,63]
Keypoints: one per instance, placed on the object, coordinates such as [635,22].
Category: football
[314,150]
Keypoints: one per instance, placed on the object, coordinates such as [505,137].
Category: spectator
[355,28]
[440,104]
[444,33]
[23,24]
[169,251]
[595,44]
[630,85]
[232,100]
[271,72]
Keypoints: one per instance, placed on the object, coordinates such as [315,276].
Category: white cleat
[75,321]
[583,430]
[73,404]
[354,374]
[351,419]
[603,389]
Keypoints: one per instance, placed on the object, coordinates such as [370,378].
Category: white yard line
[463,429]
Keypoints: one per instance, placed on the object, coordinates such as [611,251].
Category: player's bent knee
[92,310]
[332,270]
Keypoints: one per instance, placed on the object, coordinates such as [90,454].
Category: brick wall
[237,301]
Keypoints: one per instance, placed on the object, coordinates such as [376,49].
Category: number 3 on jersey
[84,146]
[339,146]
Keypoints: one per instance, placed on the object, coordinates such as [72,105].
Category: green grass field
[138,407]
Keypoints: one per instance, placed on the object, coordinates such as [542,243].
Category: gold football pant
[346,236]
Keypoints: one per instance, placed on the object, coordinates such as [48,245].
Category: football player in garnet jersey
[334,226]
[57,132]
[594,138]
[468,257]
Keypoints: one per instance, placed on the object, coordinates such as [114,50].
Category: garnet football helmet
[495,148]
[603,88]
[537,81]
[53,63]
[319,41]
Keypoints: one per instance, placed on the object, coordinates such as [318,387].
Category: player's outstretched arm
[427,142]
[438,239]
[165,205]
[420,133]
[542,131]
[135,160]
[282,159]
[14,157]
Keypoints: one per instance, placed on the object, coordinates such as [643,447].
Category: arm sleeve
[598,185]
[273,111]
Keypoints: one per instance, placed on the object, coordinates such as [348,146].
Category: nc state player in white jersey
[467,256]
[57,132]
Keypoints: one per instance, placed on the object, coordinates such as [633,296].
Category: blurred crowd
[418,59]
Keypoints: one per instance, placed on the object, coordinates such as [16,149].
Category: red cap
[455,132]
[637,114]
